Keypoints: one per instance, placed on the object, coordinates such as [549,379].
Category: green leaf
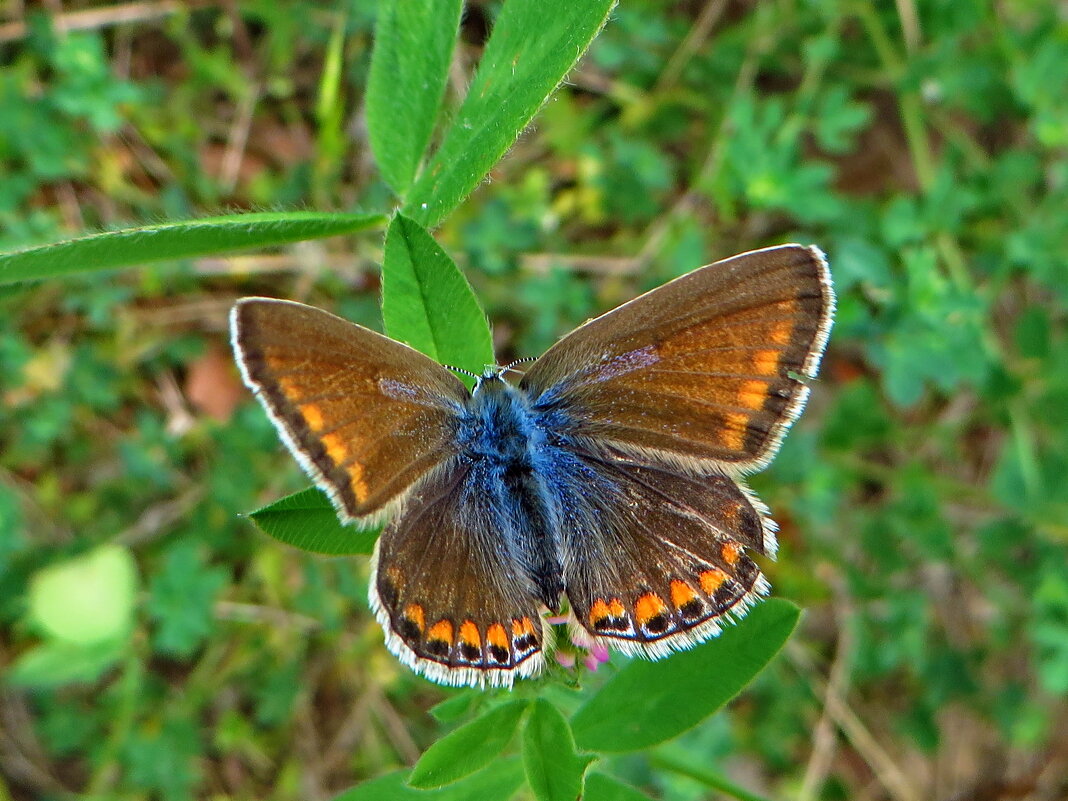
[414,40]
[600,787]
[52,664]
[161,758]
[554,769]
[534,44]
[677,693]
[86,600]
[307,520]
[456,706]
[427,302]
[468,749]
[182,597]
[181,240]
[498,782]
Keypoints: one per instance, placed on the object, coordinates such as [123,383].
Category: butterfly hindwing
[366,416]
[705,372]
[667,562]
[448,592]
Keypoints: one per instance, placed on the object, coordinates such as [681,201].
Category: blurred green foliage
[923,144]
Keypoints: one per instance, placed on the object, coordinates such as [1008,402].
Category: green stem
[1024,443]
[910,107]
[702,775]
[107,770]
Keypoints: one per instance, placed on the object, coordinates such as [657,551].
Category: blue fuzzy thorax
[503,427]
[516,481]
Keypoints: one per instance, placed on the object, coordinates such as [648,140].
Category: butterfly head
[491,380]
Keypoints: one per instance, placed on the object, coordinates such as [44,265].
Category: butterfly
[609,475]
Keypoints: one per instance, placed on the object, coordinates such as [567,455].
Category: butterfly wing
[365,416]
[662,563]
[706,371]
[447,591]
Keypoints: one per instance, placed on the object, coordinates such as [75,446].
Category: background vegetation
[922,500]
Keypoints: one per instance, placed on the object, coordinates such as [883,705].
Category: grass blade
[180,240]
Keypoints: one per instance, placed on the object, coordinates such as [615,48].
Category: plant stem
[703,775]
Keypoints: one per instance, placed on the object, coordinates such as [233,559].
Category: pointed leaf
[534,44]
[54,663]
[498,782]
[468,749]
[180,240]
[414,40]
[554,769]
[307,520]
[427,302]
[456,706]
[650,702]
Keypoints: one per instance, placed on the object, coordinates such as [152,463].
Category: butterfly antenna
[461,370]
[511,365]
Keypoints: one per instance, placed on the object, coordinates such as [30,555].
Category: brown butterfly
[608,476]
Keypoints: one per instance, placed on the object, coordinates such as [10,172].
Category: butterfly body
[515,465]
[606,484]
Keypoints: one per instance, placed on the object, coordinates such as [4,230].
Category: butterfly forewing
[366,416]
[446,589]
[704,372]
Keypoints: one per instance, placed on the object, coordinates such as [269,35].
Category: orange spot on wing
[359,486]
[730,551]
[648,606]
[442,630]
[313,416]
[753,394]
[336,448]
[290,386]
[780,334]
[522,627]
[469,634]
[733,433]
[681,593]
[414,613]
[524,639]
[599,611]
[496,635]
[712,580]
[766,362]
[616,608]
